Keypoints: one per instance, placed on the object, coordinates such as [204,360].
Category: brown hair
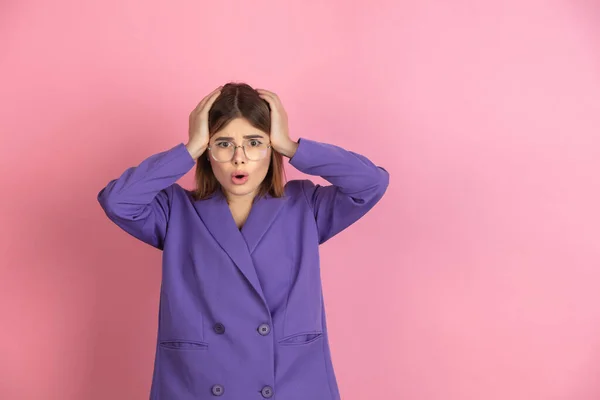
[239,100]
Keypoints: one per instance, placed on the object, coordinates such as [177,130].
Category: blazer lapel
[217,217]
[262,215]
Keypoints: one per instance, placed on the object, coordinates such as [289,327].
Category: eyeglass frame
[235,150]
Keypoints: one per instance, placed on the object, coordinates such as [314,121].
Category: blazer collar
[240,244]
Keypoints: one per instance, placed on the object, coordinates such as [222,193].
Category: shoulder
[179,193]
[298,187]
[301,192]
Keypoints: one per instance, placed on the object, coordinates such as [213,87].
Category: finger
[264,90]
[268,92]
[274,98]
[269,99]
[206,98]
[267,95]
[210,98]
[200,105]
[210,102]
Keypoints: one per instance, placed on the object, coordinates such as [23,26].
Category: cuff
[302,156]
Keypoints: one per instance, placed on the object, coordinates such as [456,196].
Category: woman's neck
[240,207]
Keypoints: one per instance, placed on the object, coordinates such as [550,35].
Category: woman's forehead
[239,129]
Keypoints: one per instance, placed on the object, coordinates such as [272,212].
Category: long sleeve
[139,201]
[356,185]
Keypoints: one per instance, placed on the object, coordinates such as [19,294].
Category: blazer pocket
[183,345]
[299,339]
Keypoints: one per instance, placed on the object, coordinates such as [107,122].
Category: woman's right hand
[198,128]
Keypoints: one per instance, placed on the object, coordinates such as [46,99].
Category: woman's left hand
[280,138]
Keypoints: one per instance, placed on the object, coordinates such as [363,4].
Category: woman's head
[239,117]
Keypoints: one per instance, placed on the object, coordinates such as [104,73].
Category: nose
[238,155]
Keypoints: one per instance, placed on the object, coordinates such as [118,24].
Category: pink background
[475,278]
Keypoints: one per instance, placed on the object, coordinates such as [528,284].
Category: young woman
[241,311]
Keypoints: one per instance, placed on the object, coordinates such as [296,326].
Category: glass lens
[254,150]
[222,151]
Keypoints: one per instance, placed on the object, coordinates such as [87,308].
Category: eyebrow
[225,138]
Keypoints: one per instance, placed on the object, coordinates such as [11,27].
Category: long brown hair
[239,100]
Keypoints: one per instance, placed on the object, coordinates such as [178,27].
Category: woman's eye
[254,143]
[223,144]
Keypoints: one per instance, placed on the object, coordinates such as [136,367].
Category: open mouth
[239,177]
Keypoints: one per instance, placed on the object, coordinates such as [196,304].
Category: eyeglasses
[224,151]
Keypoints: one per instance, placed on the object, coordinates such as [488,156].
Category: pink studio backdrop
[475,278]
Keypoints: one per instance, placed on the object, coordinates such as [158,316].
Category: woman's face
[236,132]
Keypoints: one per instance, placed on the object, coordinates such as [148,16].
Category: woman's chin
[240,190]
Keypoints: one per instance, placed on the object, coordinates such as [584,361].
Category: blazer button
[218,390]
[219,328]
[264,329]
[267,392]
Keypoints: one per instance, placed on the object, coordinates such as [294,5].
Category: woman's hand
[198,129]
[280,139]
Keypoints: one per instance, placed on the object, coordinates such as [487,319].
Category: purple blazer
[241,312]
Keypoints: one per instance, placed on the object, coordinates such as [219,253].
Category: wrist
[288,149]
[195,150]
